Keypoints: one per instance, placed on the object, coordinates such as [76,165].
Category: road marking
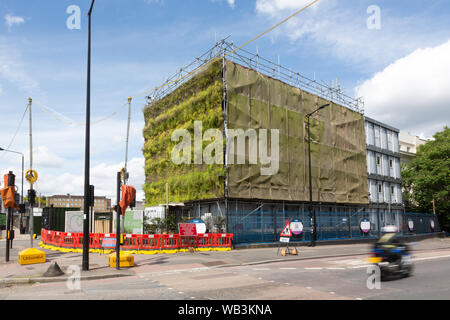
[358,298]
[308,288]
[430,258]
[261,269]
[180,292]
[288,268]
[335,268]
[313,268]
[359,267]
[331,292]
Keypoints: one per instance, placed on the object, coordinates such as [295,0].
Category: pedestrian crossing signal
[286,231]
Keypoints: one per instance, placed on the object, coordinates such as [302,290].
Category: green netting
[338,142]
[255,102]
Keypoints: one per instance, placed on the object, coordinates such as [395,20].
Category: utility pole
[31,191]
[118,213]
[85,261]
[128,136]
[434,207]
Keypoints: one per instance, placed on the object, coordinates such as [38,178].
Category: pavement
[13,273]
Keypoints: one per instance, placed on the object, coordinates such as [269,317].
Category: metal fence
[265,225]
[262,222]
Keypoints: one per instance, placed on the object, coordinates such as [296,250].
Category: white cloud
[340,31]
[231,3]
[413,92]
[13,20]
[273,7]
[44,158]
[13,70]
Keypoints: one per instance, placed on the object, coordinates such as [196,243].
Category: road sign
[297,227]
[31,176]
[411,225]
[287,232]
[201,226]
[187,229]
[365,225]
[284,240]
[109,243]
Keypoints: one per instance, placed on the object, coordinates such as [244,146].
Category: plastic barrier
[223,240]
[150,242]
[147,244]
[131,242]
[170,242]
[205,242]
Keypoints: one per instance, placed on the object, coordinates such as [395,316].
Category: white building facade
[383,167]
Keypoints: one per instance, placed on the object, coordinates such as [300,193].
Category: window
[378,161]
[392,190]
[380,188]
[391,164]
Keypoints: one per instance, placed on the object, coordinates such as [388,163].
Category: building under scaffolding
[231,89]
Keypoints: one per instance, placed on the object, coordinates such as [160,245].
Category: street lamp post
[21,200]
[312,212]
[85,262]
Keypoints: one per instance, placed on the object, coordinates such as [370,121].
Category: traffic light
[32,196]
[91,197]
[133,203]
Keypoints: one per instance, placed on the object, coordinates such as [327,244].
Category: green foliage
[427,178]
[199,99]
[160,226]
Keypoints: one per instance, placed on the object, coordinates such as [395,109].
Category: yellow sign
[31,176]
[31,256]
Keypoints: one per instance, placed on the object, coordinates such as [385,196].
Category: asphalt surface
[331,278]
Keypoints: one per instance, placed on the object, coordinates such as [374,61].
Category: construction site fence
[133,242]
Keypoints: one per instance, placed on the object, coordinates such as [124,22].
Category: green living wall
[199,99]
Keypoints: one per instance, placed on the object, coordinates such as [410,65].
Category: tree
[427,179]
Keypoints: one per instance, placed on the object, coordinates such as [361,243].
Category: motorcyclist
[392,254]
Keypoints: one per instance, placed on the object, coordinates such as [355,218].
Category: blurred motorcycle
[392,255]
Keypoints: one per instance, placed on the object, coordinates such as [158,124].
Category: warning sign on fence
[187,229]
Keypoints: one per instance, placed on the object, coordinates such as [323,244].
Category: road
[342,278]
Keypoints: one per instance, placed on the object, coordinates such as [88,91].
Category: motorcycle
[392,255]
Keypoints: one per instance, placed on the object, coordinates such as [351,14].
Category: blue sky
[401,69]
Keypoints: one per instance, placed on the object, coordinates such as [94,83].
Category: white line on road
[313,268]
[288,268]
[359,267]
[335,268]
[430,258]
[261,269]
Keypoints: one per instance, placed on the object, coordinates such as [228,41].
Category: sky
[393,54]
